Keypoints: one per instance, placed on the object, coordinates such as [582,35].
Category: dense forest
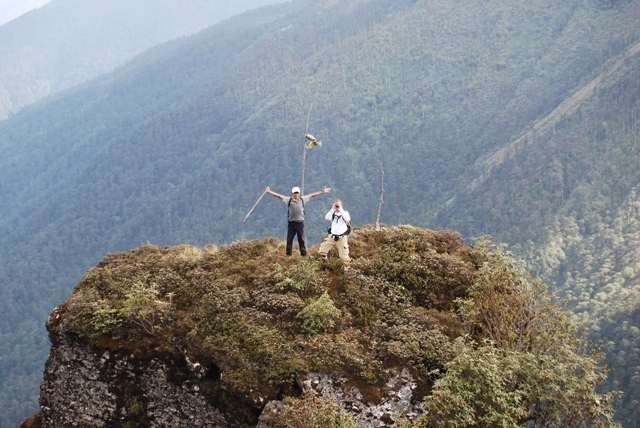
[520,122]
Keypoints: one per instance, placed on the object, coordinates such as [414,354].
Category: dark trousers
[296,228]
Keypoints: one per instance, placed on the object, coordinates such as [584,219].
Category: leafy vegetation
[488,386]
[310,411]
[320,315]
[491,347]
[532,366]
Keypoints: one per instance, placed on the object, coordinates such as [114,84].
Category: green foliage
[533,367]
[476,390]
[509,307]
[488,386]
[249,353]
[601,289]
[310,411]
[419,342]
[431,269]
[142,305]
[300,278]
[125,311]
[320,315]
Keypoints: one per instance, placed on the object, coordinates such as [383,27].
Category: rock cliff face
[85,386]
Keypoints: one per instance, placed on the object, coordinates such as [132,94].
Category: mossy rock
[259,317]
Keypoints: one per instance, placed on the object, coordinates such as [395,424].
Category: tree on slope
[523,362]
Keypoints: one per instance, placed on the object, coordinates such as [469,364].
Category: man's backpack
[289,205]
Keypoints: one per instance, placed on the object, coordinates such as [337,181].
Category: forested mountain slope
[178,145]
[568,188]
[67,42]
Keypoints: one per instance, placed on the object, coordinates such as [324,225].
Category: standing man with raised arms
[295,204]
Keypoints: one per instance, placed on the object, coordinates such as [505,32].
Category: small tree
[533,367]
[319,315]
[487,386]
[143,307]
[513,310]
[300,278]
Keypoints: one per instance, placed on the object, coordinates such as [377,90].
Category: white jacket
[338,220]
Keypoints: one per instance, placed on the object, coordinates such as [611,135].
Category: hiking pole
[304,150]
[254,206]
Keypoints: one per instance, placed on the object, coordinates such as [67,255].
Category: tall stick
[381,197]
[254,206]
[304,151]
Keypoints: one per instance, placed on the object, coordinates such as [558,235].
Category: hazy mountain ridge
[178,145]
[564,109]
[68,42]
[12,9]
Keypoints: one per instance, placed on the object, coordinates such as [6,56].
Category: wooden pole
[304,151]
[381,200]
[254,206]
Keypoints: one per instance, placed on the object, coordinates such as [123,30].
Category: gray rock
[84,386]
[87,387]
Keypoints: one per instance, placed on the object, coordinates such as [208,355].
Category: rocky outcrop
[244,336]
[86,386]
[232,336]
[395,398]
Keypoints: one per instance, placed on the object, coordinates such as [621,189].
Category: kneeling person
[337,237]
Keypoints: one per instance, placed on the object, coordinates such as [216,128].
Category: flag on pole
[312,142]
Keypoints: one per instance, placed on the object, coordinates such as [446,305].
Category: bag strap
[289,205]
[333,216]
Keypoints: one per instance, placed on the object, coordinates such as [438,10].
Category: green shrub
[319,315]
[310,411]
[487,386]
[140,306]
[143,307]
[300,278]
[413,344]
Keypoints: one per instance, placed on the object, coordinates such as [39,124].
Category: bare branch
[381,200]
